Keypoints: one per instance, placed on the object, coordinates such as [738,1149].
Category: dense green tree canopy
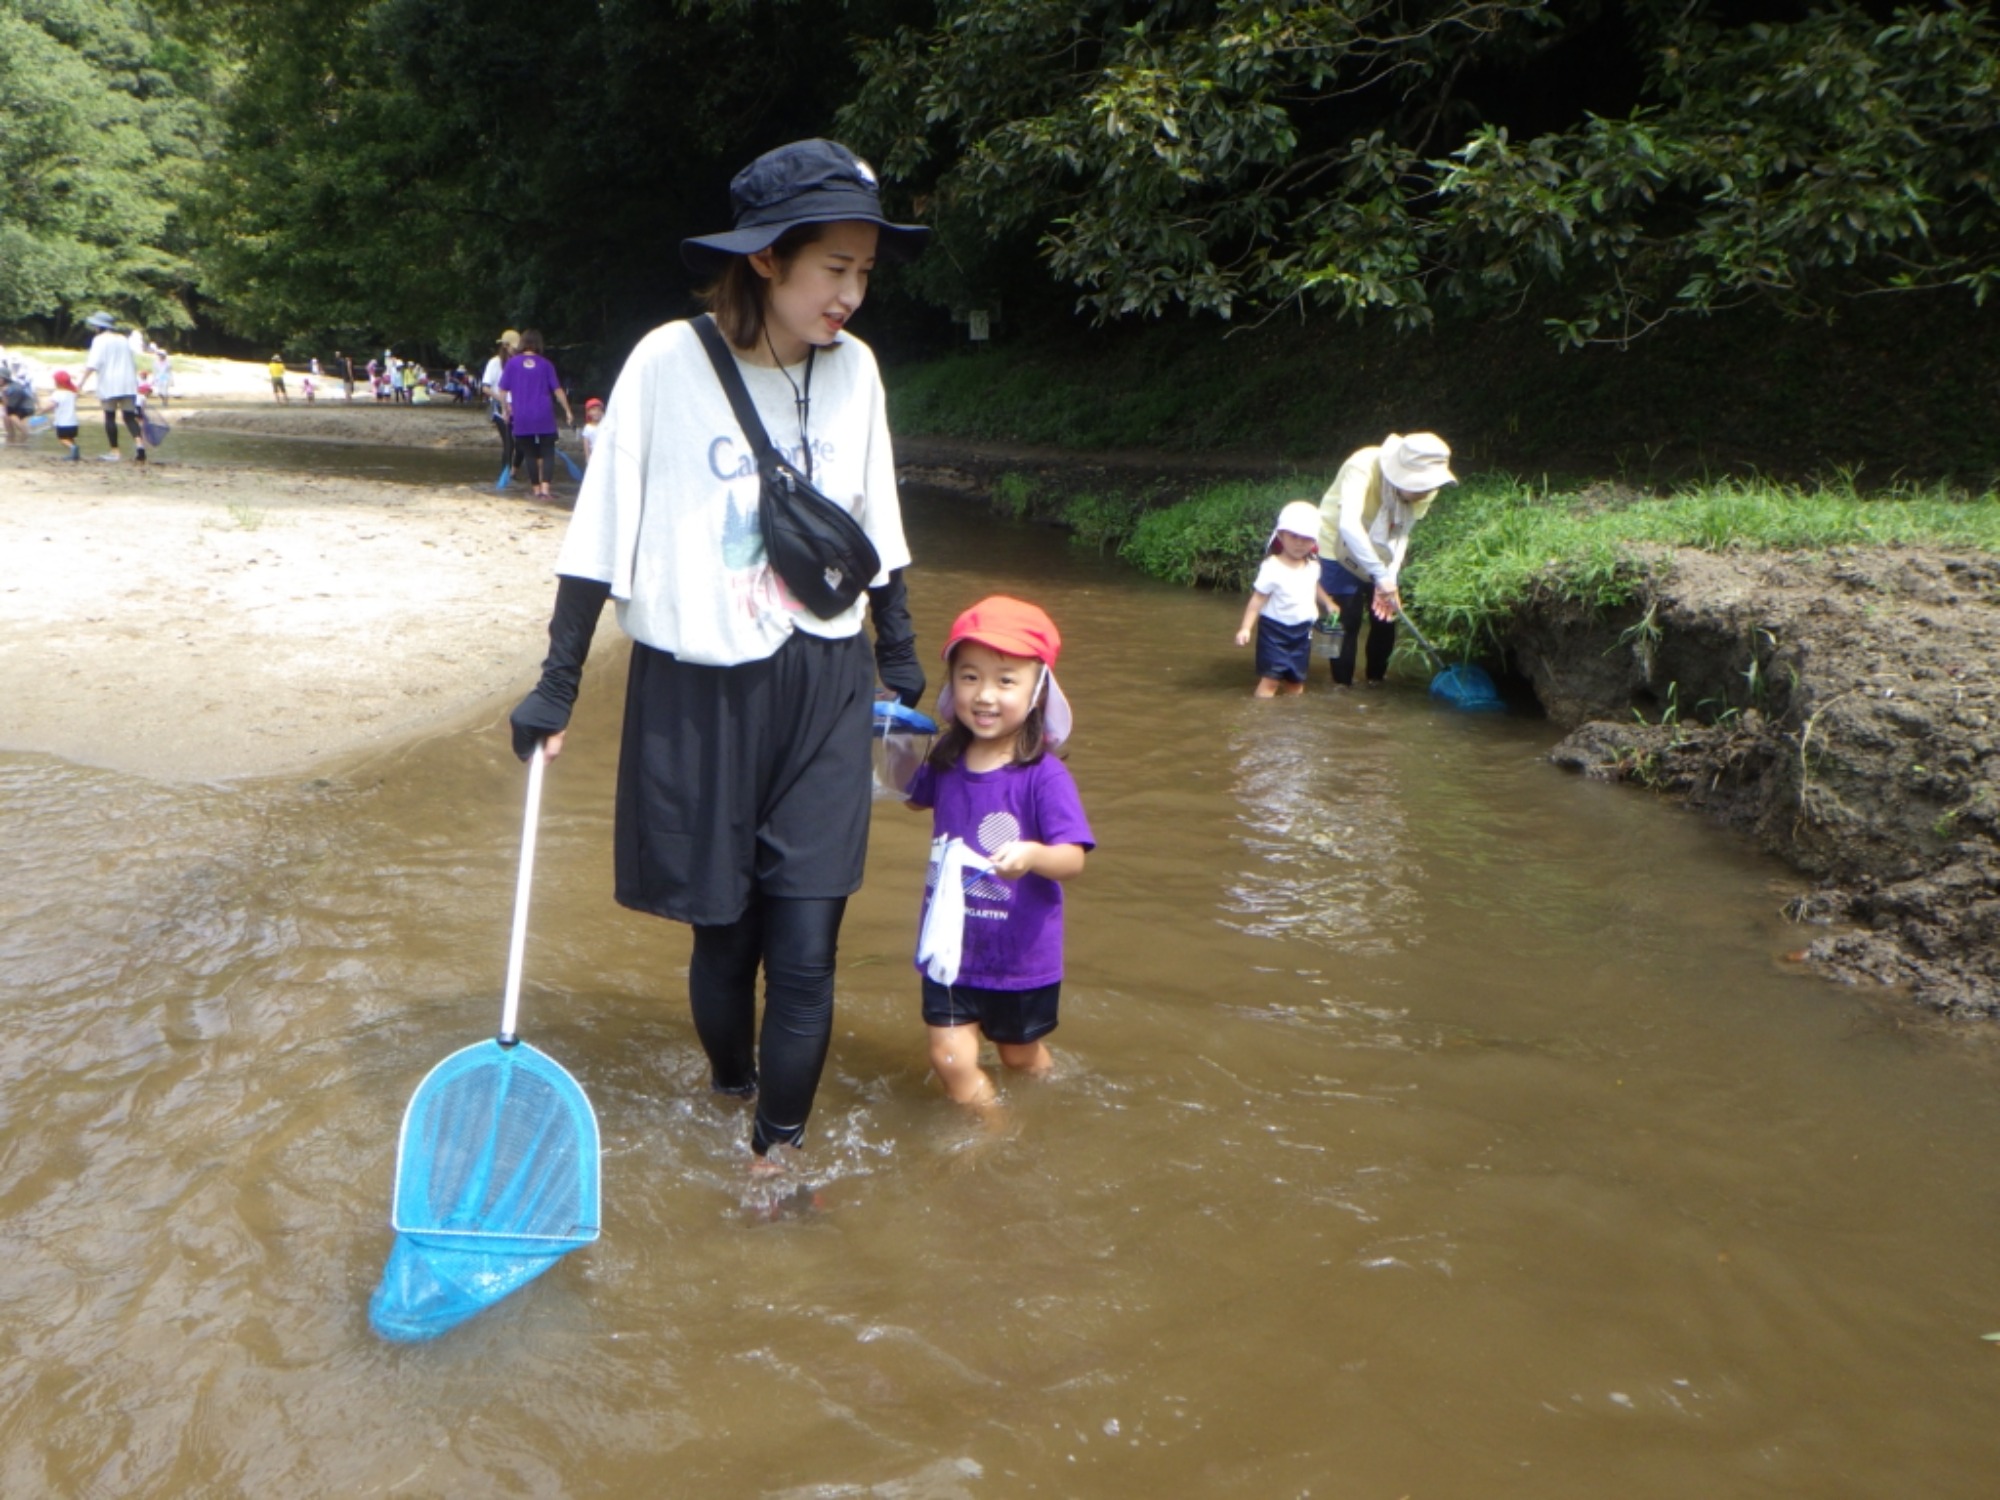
[104,127]
[1399,154]
[428,171]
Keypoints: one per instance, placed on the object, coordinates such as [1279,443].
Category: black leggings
[794,938]
[1381,636]
[131,421]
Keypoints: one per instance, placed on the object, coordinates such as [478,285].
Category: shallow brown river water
[1428,1123]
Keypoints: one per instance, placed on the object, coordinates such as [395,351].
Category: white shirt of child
[1294,597]
[65,409]
[668,510]
[589,440]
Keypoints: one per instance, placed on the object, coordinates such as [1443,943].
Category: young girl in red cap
[62,406]
[1007,829]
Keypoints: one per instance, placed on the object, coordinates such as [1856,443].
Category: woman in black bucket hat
[744,772]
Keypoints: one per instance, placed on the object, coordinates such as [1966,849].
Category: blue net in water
[496,1180]
[1468,688]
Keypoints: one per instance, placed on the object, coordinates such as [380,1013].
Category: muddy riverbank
[1841,710]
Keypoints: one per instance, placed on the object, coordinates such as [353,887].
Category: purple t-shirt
[1013,928]
[531,380]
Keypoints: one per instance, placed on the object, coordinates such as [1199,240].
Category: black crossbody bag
[815,546]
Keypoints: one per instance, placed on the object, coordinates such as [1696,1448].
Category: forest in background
[1401,179]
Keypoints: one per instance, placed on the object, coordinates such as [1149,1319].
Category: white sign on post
[977,327]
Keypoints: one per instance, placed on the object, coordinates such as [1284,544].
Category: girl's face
[991,694]
[1297,548]
[812,296]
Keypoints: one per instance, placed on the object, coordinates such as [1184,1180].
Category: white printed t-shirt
[668,510]
[1293,592]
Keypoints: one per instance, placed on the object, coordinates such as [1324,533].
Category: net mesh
[1466,687]
[496,1179]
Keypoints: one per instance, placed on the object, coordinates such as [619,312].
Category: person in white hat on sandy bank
[1366,516]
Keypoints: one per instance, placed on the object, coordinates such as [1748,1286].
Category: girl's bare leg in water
[955,1056]
[1032,1058]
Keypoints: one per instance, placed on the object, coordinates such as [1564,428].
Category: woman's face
[812,296]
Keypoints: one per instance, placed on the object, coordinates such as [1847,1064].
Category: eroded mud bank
[1841,709]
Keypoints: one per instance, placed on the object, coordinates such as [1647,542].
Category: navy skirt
[1284,652]
[755,777]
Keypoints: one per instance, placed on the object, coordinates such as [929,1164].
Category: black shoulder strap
[733,388]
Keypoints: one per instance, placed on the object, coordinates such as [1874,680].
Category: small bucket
[902,739]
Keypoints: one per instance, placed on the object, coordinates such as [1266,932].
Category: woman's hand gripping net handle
[517,945]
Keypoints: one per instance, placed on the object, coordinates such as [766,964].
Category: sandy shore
[192,623]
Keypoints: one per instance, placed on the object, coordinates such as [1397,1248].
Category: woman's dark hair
[1030,745]
[531,341]
[735,299]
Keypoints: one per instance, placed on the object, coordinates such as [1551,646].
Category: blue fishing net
[496,1180]
[1467,687]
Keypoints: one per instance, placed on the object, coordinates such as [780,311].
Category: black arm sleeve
[545,711]
[896,641]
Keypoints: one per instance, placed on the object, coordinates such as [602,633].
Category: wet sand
[189,623]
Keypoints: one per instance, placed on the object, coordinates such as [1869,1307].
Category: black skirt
[751,778]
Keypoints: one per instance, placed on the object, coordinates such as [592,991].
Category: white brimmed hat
[1418,463]
[1300,518]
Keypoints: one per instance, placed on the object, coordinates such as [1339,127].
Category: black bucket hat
[807,182]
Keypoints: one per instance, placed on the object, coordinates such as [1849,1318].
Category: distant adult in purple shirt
[531,391]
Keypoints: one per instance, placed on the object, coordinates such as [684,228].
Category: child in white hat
[1285,600]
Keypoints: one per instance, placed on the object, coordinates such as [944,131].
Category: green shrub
[1014,496]
[1215,537]
[1102,522]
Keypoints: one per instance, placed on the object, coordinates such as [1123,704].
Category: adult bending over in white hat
[1365,516]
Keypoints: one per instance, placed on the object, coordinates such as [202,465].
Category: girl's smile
[992,696]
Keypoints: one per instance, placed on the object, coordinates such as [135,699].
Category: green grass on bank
[1492,544]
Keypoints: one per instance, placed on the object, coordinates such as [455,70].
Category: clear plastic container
[903,737]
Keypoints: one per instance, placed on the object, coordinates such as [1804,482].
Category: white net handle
[517,945]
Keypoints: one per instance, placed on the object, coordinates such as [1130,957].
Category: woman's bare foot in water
[772,1165]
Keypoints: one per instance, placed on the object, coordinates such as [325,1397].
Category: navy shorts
[1284,652]
[1013,1017]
